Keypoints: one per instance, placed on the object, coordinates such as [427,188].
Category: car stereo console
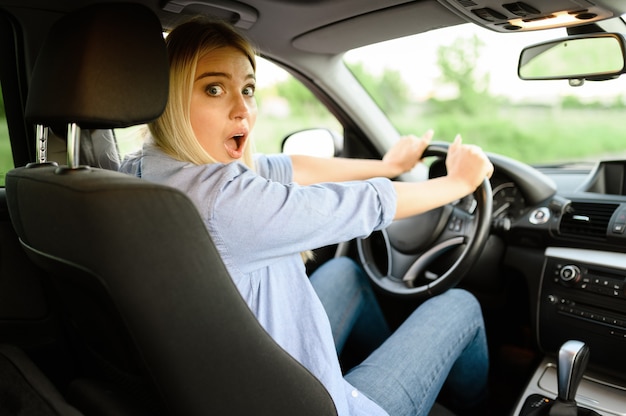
[583,297]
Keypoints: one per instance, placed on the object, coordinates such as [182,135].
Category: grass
[6,158]
[533,135]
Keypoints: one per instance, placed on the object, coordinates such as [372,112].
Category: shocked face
[223,108]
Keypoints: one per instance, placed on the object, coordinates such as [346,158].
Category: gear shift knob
[571,365]
[572,362]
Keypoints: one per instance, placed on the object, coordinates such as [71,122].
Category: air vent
[587,220]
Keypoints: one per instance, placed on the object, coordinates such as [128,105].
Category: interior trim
[398,21]
[244,16]
[595,257]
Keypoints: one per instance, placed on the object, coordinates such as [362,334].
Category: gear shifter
[573,359]
[572,362]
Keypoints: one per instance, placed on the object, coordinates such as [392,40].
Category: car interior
[113,297]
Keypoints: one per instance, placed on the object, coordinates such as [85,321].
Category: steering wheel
[450,235]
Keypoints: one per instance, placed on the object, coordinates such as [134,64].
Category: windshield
[464,80]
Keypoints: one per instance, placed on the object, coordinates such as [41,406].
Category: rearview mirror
[596,57]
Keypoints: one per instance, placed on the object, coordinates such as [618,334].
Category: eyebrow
[221,74]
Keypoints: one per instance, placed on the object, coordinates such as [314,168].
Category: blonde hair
[186,44]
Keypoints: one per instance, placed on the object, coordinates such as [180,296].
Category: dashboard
[578,207]
[508,201]
[565,231]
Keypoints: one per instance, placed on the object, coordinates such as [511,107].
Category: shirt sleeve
[132,164]
[258,219]
[276,167]
[259,216]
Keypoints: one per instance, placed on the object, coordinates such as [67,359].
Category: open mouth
[235,145]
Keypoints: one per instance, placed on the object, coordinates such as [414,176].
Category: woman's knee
[459,309]
[347,266]
[464,302]
[469,310]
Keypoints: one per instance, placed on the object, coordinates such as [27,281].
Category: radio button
[570,274]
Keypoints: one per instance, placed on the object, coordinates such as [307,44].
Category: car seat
[25,390]
[156,322]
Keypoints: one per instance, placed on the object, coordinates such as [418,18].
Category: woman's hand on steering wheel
[467,163]
[398,259]
[406,153]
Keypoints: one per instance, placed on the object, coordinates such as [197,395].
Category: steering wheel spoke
[420,265]
[460,224]
[398,259]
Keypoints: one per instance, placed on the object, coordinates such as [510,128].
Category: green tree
[457,63]
[388,89]
[572,101]
[295,93]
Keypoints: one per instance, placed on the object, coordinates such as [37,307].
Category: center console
[582,297]
[604,395]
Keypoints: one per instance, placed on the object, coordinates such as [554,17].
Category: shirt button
[355,393]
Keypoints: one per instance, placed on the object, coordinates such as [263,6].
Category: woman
[262,212]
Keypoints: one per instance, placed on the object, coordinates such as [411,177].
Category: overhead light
[523,16]
[557,19]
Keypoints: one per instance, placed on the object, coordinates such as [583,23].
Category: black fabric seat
[150,298]
[153,312]
[25,391]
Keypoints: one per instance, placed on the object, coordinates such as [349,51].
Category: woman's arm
[467,167]
[402,157]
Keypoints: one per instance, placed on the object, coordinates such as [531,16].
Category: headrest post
[42,143]
[73,145]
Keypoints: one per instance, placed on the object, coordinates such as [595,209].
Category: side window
[284,105]
[130,139]
[6,157]
[9,87]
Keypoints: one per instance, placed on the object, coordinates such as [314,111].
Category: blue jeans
[442,341]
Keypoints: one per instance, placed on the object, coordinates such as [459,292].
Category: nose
[241,107]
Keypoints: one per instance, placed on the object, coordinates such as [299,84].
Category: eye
[214,90]
[249,90]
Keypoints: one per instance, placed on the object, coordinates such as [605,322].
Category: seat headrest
[103,66]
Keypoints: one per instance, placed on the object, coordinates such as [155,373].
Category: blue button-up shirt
[260,221]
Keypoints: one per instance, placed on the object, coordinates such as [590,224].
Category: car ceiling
[326,26]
